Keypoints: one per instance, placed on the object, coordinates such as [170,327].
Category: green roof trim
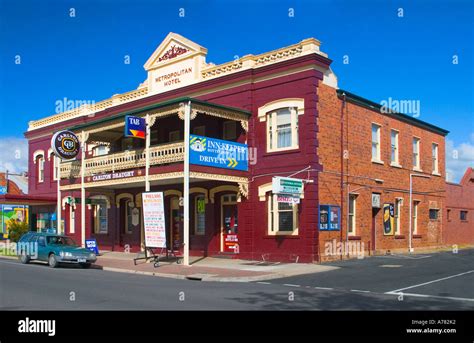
[403,117]
[156,106]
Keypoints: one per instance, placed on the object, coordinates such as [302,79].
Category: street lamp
[410,234]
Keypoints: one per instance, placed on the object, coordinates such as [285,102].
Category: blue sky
[82,57]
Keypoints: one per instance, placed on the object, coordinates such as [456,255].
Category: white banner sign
[288,199]
[154,219]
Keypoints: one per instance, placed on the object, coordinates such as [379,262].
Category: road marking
[264,283]
[429,282]
[325,288]
[359,291]
[390,266]
[433,296]
[290,285]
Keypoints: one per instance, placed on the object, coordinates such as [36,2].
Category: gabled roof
[468,177]
[177,45]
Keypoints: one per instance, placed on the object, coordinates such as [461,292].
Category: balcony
[166,135]
[125,160]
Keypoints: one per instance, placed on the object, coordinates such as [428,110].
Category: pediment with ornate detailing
[175,63]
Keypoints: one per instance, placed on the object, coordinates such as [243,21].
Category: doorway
[175,237]
[229,224]
[373,238]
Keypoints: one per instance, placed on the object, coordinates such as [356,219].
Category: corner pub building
[286,106]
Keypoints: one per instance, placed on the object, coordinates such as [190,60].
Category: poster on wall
[388,219]
[329,218]
[154,219]
[18,213]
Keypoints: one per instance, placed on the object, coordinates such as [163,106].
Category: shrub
[16,229]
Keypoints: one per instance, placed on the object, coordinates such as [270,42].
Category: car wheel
[52,261]
[85,265]
[24,258]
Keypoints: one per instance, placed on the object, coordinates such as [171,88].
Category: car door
[42,249]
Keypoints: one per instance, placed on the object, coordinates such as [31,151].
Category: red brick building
[285,105]
[459,213]
[366,153]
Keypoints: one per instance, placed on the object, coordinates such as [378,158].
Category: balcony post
[58,204]
[84,137]
[147,154]
[187,118]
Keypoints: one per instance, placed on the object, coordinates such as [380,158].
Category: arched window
[40,166]
[282,123]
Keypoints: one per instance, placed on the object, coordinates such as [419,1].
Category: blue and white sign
[135,127]
[218,153]
[91,244]
[329,218]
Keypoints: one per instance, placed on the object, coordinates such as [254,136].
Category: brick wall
[360,174]
[460,197]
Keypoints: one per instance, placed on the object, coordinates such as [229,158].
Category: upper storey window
[38,158]
[281,118]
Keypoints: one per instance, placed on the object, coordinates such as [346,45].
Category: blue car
[54,249]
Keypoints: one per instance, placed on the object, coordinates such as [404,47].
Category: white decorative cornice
[208,71]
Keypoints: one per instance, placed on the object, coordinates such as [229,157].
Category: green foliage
[16,229]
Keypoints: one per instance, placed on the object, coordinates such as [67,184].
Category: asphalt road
[356,285]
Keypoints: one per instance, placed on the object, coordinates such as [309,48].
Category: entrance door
[229,224]
[175,237]
[375,211]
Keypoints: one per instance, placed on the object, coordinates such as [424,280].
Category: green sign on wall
[286,185]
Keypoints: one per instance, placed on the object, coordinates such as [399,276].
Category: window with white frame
[394,147]
[229,130]
[282,129]
[416,153]
[376,143]
[415,217]
[397,215]
[40,163]
[100,150]
[199,130]
[352,214]
[54,165]
[282,216]
[434,154]
[200,215]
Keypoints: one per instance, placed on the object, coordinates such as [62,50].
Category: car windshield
[58,240]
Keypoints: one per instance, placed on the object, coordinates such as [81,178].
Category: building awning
[171,106]
[25,199]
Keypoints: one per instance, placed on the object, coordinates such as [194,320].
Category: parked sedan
[54,249]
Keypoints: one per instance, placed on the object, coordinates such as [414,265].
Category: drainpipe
[342,161]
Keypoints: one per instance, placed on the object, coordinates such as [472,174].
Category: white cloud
[459,158]
[13,154]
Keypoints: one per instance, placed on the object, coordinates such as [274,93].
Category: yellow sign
[388,220]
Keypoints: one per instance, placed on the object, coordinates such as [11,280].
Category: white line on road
[429,282]
[360,291]
[325,288]
[290,285]
[433,296]
[404,256]
[264,283]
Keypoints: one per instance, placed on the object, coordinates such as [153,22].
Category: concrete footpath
[207,268]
